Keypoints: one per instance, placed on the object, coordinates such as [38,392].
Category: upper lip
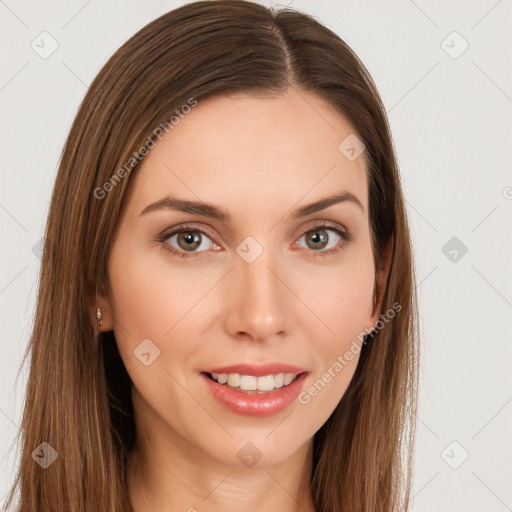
[258,370]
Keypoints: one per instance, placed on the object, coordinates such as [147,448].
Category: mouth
[254,395]
[252,383]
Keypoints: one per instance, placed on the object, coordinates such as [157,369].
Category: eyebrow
[215,212]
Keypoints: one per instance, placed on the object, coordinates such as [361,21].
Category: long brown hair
[78,396]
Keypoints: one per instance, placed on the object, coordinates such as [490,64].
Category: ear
[381,279]
[102,301]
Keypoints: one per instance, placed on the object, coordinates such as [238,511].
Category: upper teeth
[251,383]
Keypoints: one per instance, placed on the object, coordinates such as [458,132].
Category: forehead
[231,149]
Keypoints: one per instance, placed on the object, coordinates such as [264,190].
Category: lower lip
[252,403]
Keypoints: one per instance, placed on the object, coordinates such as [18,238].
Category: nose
[257,300]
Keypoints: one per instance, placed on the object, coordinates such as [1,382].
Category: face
[192,292]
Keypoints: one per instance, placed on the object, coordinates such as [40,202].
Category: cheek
[150,301]
[340,298]
[155,299]
[151,295]
[145,304]
[137,301]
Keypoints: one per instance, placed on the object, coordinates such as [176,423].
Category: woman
[266,358]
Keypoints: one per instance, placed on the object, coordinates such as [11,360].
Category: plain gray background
[449,107]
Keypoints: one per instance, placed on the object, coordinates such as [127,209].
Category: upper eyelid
[175,230]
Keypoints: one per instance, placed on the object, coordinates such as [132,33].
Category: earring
[99,319]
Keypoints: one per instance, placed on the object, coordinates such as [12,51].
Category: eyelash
[345,236]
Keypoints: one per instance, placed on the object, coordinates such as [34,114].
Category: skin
[258,158]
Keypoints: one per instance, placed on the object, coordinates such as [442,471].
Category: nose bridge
[257,304]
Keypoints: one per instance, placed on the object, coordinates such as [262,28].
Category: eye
[318,239]
[189,240]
